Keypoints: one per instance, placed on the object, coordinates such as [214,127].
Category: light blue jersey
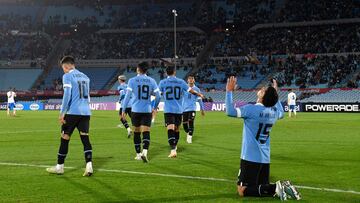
[141,87]
[258,121]
[76,97]
[122,92]
[189,101]
[172,89]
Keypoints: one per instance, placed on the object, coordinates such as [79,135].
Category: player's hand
[201,95]
[275,84]
[202,113]
[231,84]
[123,115]
[62,120]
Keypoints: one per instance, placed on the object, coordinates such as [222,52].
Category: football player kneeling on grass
[253,179]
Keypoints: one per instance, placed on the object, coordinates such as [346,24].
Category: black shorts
[127,111]
[139,119]
[253,174]
[173,118]
[82,123]
[189,115]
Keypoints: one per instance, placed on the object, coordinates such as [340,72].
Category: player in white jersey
[292,102]
[11,102]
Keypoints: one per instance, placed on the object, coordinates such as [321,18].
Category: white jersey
[11,97]
[291,98]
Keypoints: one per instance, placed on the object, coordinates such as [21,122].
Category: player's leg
[191,127]
[124,122]
[170,125]
[13,108]
[290,111]
[248,181]
[136,122]
[66,130]
[83,127]
[178,119]
[264,186]
[247,178]
[8,110]
[186,122]
[145,127]
[129,131]
[295,110]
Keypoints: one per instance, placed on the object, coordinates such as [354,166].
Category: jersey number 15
[263,132]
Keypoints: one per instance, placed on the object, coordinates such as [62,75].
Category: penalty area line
[178,176]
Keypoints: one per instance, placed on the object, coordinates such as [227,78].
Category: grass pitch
[320,150]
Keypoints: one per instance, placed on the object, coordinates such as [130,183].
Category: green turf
[317,150]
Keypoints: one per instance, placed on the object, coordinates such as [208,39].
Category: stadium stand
[337,96]
[98,76]
[18,78]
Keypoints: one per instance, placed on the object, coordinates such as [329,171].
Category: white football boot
[89,169]
[129,132]
[280,191]
[173,153]
[144,156]
[138,157]
[58,169]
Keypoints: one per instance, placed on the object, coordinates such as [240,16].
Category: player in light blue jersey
[141,87]
[122,91]
[75,113]
[189,108]
[259,118]
[173,89]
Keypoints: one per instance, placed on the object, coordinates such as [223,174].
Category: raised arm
[230,87]
[278,105]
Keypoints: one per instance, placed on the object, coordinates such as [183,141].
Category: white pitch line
[180,176]
[45,130]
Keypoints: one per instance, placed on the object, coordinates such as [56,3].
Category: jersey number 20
[172,93]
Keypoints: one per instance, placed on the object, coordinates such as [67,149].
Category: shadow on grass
[224,197]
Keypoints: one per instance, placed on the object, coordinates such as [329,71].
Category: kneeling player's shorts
[82,123]
[292,107]
[127,111]
[189,115]
[253,174]
[139,119]
[173,118]
[11,106]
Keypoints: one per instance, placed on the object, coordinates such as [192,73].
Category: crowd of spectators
[137,45]
[296,40]
[34,46]
[311,70]
[310,10]
[218,70]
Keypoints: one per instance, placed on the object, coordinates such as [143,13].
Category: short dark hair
[270,97]
[191,76]
[170,70]
[143,66]
[67,59]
